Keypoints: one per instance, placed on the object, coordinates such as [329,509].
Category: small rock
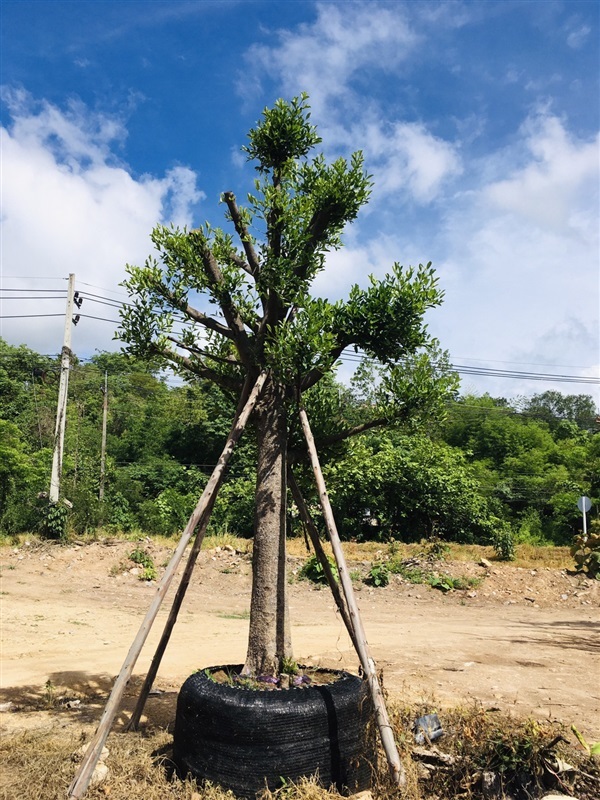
[99,774]
[471,594]
[7,706]
[564,597]
[555,796]
[80,753]
[491,785]
[425,771]
[485,563]
[432,755]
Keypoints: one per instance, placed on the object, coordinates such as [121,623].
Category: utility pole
[104,390]
[61,410]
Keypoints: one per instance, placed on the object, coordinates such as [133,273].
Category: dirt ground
[524,640]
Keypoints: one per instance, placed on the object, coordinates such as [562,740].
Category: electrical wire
[350,358]
[28,316]
[57,297]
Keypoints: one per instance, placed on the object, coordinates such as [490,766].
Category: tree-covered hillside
[489,469]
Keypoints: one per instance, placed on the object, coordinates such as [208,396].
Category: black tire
[244,739]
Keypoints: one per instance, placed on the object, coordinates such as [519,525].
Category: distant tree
[408,487]
[532,458]
[553,408]
[268,320]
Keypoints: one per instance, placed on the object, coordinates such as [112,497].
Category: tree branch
[316,231]
[230,360]
[224,381]
[253,266]
[315,375]
[194,314]
[230,312]
[364,426]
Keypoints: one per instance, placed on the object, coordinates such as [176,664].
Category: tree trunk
[269,638]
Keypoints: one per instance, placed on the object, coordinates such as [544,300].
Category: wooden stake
[179,595]
[313,534]
[82,778]
[367,663]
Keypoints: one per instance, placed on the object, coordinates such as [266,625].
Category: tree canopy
[267,317]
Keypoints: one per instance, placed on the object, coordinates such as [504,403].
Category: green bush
[378,575]
[504,543]
[55,521]
[234,508]
[313,571]
[143,559]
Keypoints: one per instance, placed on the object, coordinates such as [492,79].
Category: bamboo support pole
[178,599]
[82,778]
[171,620]
[313,534]
[366,660]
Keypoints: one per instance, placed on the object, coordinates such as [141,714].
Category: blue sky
[478,120]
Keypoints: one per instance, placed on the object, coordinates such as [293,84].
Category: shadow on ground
[582,635]
[81,697]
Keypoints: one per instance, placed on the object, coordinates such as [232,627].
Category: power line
[28,316]
[50,297]
[102,288]
[32,278]
[102,319]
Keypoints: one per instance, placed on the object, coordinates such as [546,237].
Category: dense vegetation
[492,470]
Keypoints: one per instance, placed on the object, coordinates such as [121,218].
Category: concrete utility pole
[61,410]
[104,390]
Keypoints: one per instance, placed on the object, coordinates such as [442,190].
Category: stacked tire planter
[246,739]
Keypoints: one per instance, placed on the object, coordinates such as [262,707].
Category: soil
[524,641]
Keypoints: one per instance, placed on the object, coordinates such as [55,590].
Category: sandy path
[67,619]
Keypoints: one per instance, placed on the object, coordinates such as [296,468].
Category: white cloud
[409,158]
[578,35]
[323,57]
[554,188]
[69,205]
[330,60]
[518,258]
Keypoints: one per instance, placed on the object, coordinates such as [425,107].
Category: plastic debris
[427,728]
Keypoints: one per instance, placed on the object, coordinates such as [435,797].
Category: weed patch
[413,572]
[313,571]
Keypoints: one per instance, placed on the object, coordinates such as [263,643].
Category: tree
[268,320]
[556,408]
[408,488]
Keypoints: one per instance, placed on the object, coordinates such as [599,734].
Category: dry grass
[528,556]
[39,764]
